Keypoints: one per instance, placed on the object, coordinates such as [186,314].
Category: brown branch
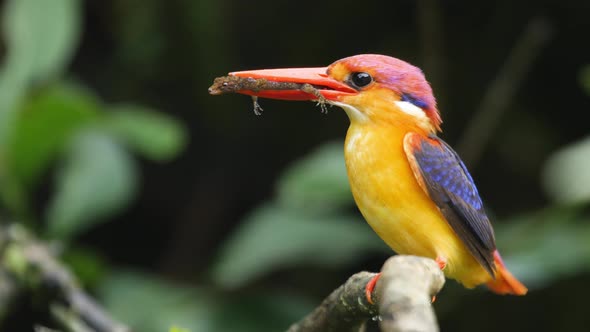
[403,293]
[29,264]
[406,286]
[503,88]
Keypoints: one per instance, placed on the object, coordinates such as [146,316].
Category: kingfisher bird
[410,186]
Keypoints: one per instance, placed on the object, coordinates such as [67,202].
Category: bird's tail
[505,282]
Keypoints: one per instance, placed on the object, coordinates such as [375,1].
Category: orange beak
[330,88]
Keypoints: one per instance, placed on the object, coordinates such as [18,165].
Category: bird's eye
[360,79]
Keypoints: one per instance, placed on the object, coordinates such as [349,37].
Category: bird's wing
[443,176]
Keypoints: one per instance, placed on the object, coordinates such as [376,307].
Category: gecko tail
[505,282]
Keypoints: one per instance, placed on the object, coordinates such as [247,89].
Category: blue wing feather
[446,180]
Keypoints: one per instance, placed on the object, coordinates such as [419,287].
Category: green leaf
[41,36]
[97,180]
[153,134]
[318,181]
[39,132]
[44,127]
[274,237]
[566,176]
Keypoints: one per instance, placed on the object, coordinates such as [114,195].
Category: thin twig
[503,88]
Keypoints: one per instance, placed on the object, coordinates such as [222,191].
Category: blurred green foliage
[56,122]
[310,209]
[43,127]
[177,329]
[97,179]
[317,183]
[40,40]
[49,123]
[57,135]
[163,304]
[275,237]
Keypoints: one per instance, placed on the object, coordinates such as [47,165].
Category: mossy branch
[28,264]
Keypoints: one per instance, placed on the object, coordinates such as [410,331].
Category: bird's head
[368,87]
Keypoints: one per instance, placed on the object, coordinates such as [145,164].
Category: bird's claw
[441,261]
[308,88]
[257,109]
[370,287]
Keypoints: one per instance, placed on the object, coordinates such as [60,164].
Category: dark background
[165,54]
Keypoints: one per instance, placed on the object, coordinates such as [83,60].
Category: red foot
[441,261]
[371,286]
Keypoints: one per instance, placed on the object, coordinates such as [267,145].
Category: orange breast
[396,207]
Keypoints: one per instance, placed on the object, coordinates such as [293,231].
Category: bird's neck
[392,124]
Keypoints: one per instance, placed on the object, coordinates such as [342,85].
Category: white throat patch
[411,109]
[416,112]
